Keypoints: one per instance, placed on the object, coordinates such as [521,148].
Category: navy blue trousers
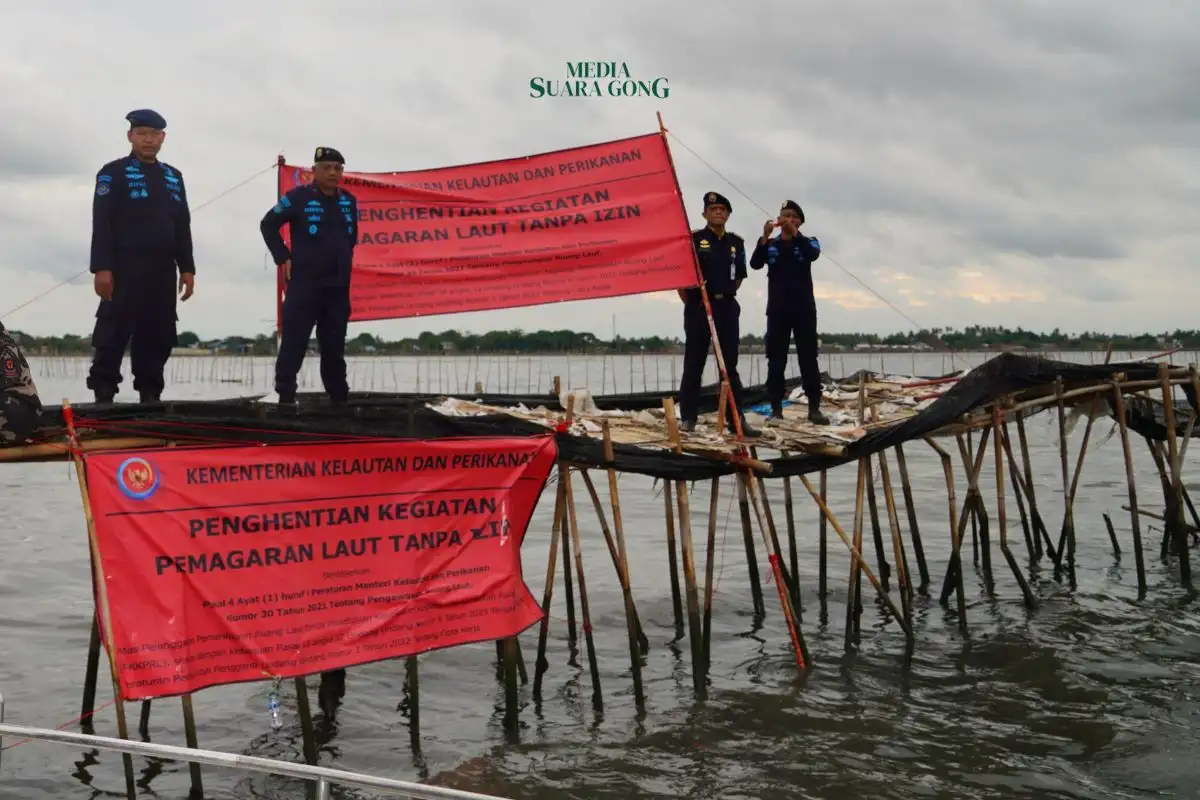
[142,317]
[782,330]
[328,310]
[698,342]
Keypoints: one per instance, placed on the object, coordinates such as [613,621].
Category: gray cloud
[1048,148]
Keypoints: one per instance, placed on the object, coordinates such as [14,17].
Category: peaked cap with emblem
[717,199]
[328,154]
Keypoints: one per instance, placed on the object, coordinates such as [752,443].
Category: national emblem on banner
[137,478]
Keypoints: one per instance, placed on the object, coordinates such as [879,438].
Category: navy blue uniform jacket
[324,231]
[722,262]
[789,276]
[140,219]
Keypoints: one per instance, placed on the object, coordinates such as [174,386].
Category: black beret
[145,118]
[792,205]
[328,154]
[717,199]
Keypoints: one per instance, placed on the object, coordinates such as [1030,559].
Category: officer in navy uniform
[20,406]
[791,307]
[722,256]
[141,234]
[324,229]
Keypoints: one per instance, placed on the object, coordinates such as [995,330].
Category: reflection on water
[1090,695]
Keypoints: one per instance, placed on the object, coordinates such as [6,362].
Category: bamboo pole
[854,586]
[54,451]
[413,687]
[542,664]
[789,577]
[1001,519]
[511,708]
[1176,525]
[1123,428]
[695,632]
[974,513]
[1030,493]
[708,572]
[1156,453]
[955,529]
[751,559]
[799,648]
[1014,480]
[1068,527]
[822,554]
[308,737]
[672,558]
[857,554]
[1040,534]
[633,624]
[101,588]
[885,569]
[573,526]
[793,555]
[910,508]
[970,506]
[614,548]
[902,583]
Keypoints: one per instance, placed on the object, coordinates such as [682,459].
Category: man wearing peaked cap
[791,307]
[323,219]
[141,234]
[722,258]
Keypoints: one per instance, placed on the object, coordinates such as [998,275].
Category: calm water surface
[1092,695]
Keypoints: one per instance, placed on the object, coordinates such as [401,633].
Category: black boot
[748,431]
[777,410]
[148,397]
[287,398]
[814,413]
[105,396]
[688,425]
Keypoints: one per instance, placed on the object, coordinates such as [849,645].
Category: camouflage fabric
[20,406]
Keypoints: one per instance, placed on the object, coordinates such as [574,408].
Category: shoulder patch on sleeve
[102,185]
[816,242]
[284,202]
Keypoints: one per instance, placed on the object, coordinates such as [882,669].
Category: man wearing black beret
[791,307]
[141,233]
[722,257]
[324,229]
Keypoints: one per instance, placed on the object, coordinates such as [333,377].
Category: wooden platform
[882,402]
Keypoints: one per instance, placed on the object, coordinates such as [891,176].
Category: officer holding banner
[324,227]
[722,257]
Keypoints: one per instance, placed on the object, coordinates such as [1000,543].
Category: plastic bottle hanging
[273,706]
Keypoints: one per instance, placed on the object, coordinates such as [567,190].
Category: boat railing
[323,777]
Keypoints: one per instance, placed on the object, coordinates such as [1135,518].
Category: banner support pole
[712,327]
[751,488]
[100,586]
[280,284]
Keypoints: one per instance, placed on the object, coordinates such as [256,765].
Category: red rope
[151,428]
[78,719]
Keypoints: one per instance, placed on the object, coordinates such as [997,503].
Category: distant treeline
[975,337]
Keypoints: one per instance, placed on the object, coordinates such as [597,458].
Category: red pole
[280,284]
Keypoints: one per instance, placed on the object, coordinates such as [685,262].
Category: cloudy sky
[1022,162]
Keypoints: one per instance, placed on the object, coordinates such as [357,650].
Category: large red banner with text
[599,221]
[243,563]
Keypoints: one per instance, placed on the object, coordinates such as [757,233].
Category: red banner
[604,220]
[224,565]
